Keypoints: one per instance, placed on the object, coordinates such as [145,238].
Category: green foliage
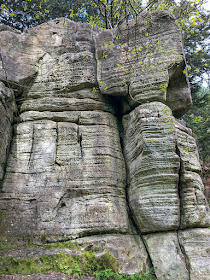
[104,13]
[199,121]
[194,22]
[104,267]
[108,274]
[26,242]
[29,13]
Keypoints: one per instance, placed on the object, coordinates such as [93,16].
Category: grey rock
[194,206]
[7,109]
[153,167]
[166,255]
[195,244]
[68,169]
[144,61]
[164,185]
[73,174]
[129,250]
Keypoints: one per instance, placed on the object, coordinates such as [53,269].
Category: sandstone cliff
[91,149]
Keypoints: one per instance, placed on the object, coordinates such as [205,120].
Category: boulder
[167,257]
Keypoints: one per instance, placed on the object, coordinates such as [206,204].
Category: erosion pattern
[91,148]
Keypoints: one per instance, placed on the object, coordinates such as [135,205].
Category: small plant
[108,274]
[104,274]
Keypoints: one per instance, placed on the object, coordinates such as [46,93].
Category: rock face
[7,109]
[91,148]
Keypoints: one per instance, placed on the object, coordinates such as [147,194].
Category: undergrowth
[108,274]
[104,267]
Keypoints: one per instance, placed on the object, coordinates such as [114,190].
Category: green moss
[104,267]
[108,274]
[27,242]
[7,245]
[3,214]
[84,263]
[77,264]
[60,245]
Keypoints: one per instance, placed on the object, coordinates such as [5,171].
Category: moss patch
[77,265]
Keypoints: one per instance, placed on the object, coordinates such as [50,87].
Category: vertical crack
[32,148]
[186,258]
[179,187]
[8,150]
[56,147]
[79,138]
[61,203]
[138,231]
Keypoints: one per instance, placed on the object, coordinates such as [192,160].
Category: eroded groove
[60,204]
[179,186]
[9,148]
[56,148]
[79,139]
[187,262]
[32,148]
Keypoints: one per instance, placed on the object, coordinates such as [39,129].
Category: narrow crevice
[56,147]
[61,203]
[32,148]
[79,140]
[187,262]
[88,234]
[179,187]
[138,231]
[8,150]
[94,56]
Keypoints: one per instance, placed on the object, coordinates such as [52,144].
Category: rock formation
[91,149]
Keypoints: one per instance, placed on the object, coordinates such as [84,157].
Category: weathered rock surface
[7,109]
[129,250]
[96,153]
[153,167]
[195,243]
[180,255]
[144,61]
[166,255]
[73,181]
[194,205]
[162,160]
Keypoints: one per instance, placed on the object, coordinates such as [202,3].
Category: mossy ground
[83,264]
[104,267]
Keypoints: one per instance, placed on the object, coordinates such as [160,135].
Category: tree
[194,22]
[198,120]
[28,13]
